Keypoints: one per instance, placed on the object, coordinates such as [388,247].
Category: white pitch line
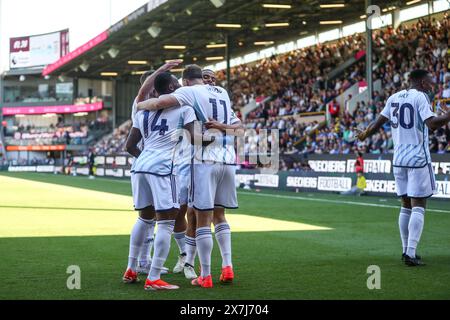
[333,201]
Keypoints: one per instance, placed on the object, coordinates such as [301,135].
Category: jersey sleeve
[134,112]
[136,120]
[185,96]
[424,107]
[189,116]
[233,118]
[386,112]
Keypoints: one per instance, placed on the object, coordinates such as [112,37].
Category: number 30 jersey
[161,133]
[407,112]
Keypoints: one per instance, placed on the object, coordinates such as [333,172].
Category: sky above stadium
[85,19]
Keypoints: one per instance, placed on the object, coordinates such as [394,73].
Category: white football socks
[180,239]
[415,228]
[144,253]
[191,250]
[137,238]
[204,242]
[223,237]
[161,247]
[403,222]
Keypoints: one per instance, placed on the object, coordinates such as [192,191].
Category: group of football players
[183,176]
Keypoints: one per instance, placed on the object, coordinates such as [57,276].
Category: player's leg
[167,207]
[204,242]
[179,235]
[204,184]
[422,186]
[142,197]
[165,223]
[144,259]
[403,222]
[401,184]
[226,197]
[222,234]
[191,247]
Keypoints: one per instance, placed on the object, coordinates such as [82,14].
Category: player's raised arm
[132,142]
[372,128]
[149,83]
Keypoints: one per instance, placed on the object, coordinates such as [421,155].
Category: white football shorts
[415,182]
[213,185]
[183,184]
[152,190]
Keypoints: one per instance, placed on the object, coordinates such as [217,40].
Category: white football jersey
[211,102]
[407,111]
[160,133]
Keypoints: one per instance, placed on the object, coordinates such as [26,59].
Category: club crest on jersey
[214,89]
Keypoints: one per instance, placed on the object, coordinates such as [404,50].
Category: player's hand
[444,108]
[150,104]
[361,134]
[214,124]
[171,64]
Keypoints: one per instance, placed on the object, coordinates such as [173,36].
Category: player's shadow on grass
[65,208]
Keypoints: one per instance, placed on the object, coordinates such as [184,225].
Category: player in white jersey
[410,114]
[142,234]
[154,172]
[213,167]
[183,183]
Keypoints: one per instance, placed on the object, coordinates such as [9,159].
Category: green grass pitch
[49,222]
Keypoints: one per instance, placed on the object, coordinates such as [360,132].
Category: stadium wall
[331,173]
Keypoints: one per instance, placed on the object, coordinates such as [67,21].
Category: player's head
[421,80]
[192,75]
[209,77]
[146,75]
[166,83]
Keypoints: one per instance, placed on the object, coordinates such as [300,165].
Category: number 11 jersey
[407,112]
[211,102]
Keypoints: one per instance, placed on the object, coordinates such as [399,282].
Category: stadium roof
[192,25]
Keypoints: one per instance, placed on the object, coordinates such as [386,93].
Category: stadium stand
[294,83]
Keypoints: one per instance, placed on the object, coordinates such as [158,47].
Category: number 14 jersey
[407,112]
[161,133]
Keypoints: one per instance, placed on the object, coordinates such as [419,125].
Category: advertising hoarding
[38,50]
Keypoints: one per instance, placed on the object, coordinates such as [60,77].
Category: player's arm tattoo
[132,141]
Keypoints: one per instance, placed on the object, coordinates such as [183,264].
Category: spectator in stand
[441,149]
[334,109]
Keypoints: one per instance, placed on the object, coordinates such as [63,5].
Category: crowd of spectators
[75,134]
[114,143]
[295,83]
